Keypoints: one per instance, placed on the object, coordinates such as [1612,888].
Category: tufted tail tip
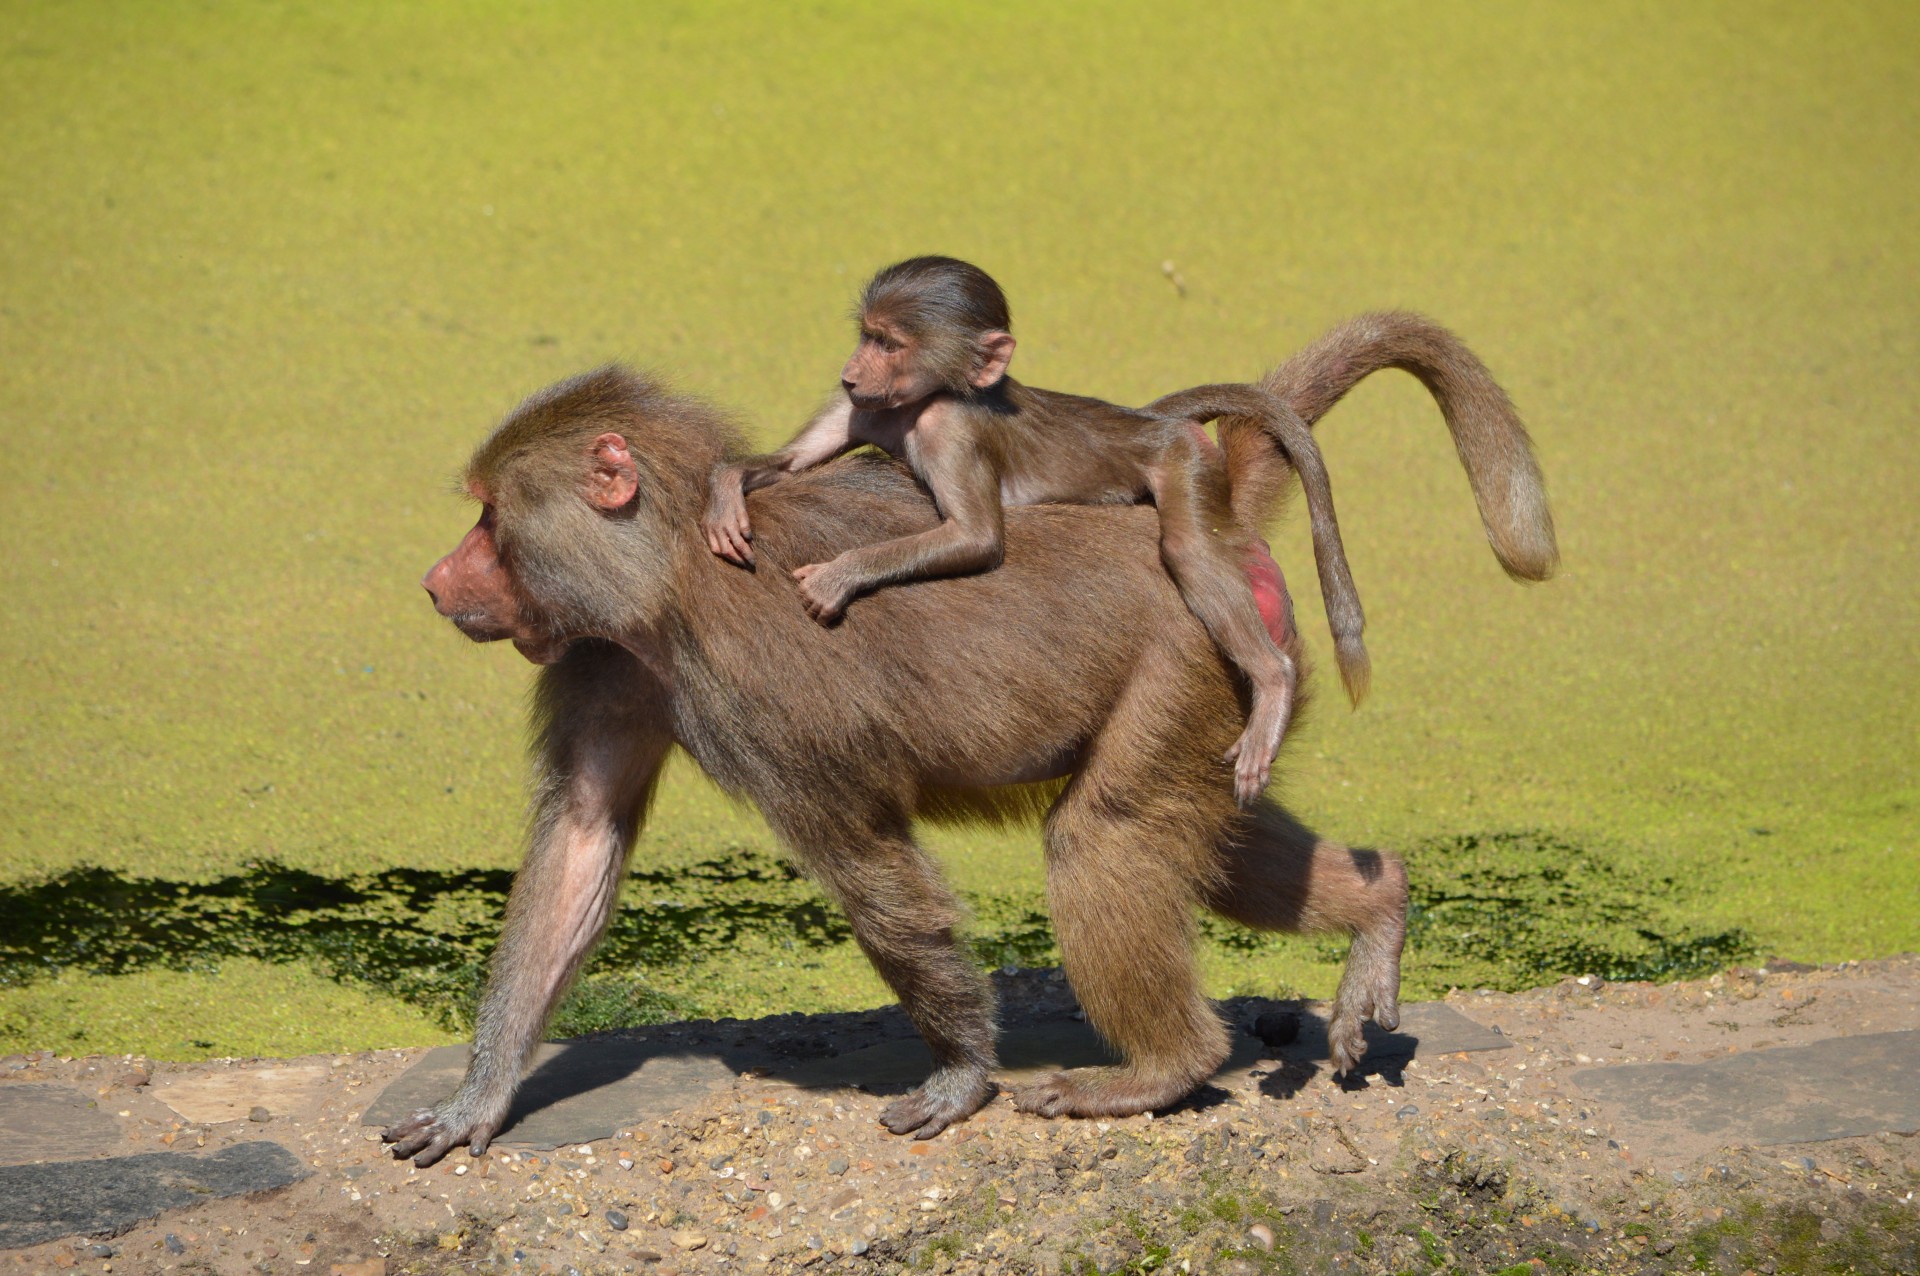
[1356,667]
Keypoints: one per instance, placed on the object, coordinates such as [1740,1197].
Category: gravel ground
[1490,1162]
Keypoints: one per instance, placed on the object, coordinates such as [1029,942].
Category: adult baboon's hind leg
[1124,843]
[1280,875]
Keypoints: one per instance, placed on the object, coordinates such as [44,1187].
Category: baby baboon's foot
[1099,1092]
[950,1095]
[1253,753]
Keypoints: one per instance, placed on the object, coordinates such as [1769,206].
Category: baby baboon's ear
[993,352]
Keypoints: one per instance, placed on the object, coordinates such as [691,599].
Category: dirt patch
[1490,1162]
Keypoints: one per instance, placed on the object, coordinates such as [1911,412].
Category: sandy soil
[1490,1162]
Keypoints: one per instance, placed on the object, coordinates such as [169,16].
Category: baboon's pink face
[474,589]
[886,369]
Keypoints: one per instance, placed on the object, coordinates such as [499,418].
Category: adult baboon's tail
[1493,445]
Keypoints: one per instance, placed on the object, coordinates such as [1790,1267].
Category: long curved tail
[1252,407]
[1492,443]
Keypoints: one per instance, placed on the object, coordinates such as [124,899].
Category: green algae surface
[269,271]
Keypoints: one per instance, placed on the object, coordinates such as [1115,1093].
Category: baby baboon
[928,383]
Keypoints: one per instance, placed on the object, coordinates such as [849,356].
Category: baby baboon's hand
[728,532]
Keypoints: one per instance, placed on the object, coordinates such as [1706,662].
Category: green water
[270,270]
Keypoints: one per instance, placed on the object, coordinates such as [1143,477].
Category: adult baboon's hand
[430,1133]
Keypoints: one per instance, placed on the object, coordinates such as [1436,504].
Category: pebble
[259,1114]
[173,1244]
[100,1251]
[617,1220]
[1407,1110]
[1262,1236]
[688,1240]
[837,1166]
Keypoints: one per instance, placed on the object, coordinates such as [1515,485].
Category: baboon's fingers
[426,1136]
[1250,780]
[740,550]
[411,1135]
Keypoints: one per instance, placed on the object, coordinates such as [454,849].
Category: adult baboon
[1076,659]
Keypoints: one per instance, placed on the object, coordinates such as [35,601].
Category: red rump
[1263,574]
[1269,590]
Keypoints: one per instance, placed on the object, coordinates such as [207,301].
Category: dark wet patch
[1513,910]
[1501,910]
[417,934]
[1008,931]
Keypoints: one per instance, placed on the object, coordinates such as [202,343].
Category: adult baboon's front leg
[602,733]
[903,916]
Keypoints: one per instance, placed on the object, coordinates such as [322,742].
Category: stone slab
[52,1123]
[1839,1088]
[292,1090]
[580,1091]
[44,1202]
[1428,1028]
[575,1091]
[905,1062]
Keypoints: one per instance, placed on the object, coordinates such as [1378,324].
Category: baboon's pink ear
[993,351]
[615,478]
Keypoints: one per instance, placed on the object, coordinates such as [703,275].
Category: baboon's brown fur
[1076,658]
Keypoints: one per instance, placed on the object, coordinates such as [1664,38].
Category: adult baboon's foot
[1370,986]
[1346,1035]
[950,1095]
[1100,1092]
